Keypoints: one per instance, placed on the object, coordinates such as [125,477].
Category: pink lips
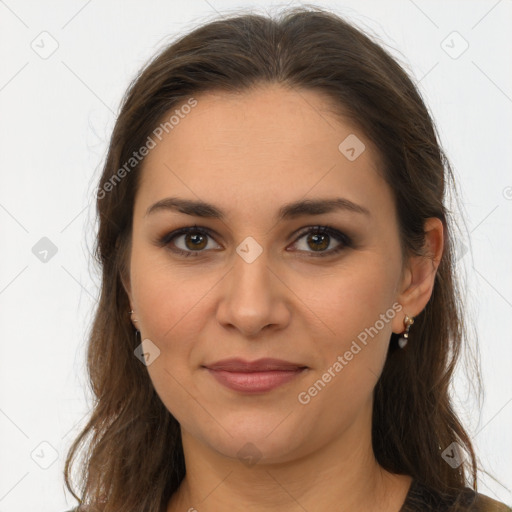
[254,376]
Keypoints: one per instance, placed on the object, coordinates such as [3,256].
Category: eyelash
[345,241]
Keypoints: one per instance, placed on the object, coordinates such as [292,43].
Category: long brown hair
[134,457]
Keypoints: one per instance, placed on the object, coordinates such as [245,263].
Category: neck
[343,475]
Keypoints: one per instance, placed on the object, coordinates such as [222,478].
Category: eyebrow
[288,211]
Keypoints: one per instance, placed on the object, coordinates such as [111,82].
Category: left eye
[317,238]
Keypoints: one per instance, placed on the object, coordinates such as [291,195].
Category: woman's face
[259,282]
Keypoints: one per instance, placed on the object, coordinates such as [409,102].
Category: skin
[238,152]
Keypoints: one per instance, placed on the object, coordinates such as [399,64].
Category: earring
[137,332]
[402,341]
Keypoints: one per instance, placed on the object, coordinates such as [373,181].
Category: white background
[56,116]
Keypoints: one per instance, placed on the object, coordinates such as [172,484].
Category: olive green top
[422,498]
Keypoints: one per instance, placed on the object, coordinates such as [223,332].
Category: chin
[256,442]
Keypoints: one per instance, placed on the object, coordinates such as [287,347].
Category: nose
[253,298]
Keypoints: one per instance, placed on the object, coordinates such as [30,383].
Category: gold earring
[404,338]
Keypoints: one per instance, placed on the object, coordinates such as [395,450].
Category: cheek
[356,297]
[171,307]
[168,306]
[358,308]
[165,296]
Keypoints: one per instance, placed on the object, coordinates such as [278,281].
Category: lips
[258,376]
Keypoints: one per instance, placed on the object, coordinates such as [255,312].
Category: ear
[123,245]
[418,278]
[125,281]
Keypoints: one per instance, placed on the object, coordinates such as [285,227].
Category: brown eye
[318,241]
[196,240]
[319,238]
[189,241]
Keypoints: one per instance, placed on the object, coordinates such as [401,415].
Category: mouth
[252,377]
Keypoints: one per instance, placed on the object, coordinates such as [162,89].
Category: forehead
[268,144]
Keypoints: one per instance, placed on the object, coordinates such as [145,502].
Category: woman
[279,317]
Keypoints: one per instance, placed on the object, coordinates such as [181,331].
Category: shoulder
[483,503]
[422,498]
